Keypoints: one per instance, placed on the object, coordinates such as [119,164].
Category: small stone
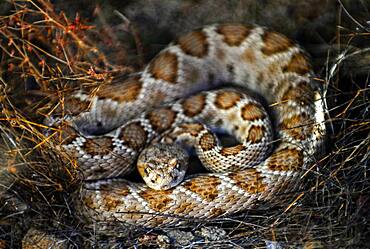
[163,241]
[211,233]
[181,238]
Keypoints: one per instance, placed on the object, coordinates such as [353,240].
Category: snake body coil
[263,61]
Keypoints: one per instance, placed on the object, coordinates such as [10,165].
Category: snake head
[163,166]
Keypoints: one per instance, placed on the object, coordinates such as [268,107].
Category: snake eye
[172,163]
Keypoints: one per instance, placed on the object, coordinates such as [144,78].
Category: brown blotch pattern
[302,94]
[98,146]
[133,135]
[194,105]
[250,180]
[227,99]
[164,67]
[275,43]
[205,186]
[110,202]
[194,44]
[297,126]
[192,129]
[161,119]
[207,141]
[298,64]
[126,91]
[256,133]
[185,207]
[157,199]
[252,112]
[231,151]
[286,159]
[233,35]
[89,202]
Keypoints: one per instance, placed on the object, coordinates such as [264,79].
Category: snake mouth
[164,181]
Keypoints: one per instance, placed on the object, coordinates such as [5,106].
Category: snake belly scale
[249,56]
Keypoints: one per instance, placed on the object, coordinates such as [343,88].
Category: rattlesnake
[265,62]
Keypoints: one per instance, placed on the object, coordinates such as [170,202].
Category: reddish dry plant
[53,56]
[37,42]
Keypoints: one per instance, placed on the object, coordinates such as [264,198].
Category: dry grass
[46,55]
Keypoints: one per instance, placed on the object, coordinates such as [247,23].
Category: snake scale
[265,62]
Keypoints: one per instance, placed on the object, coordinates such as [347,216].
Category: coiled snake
[261,165]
